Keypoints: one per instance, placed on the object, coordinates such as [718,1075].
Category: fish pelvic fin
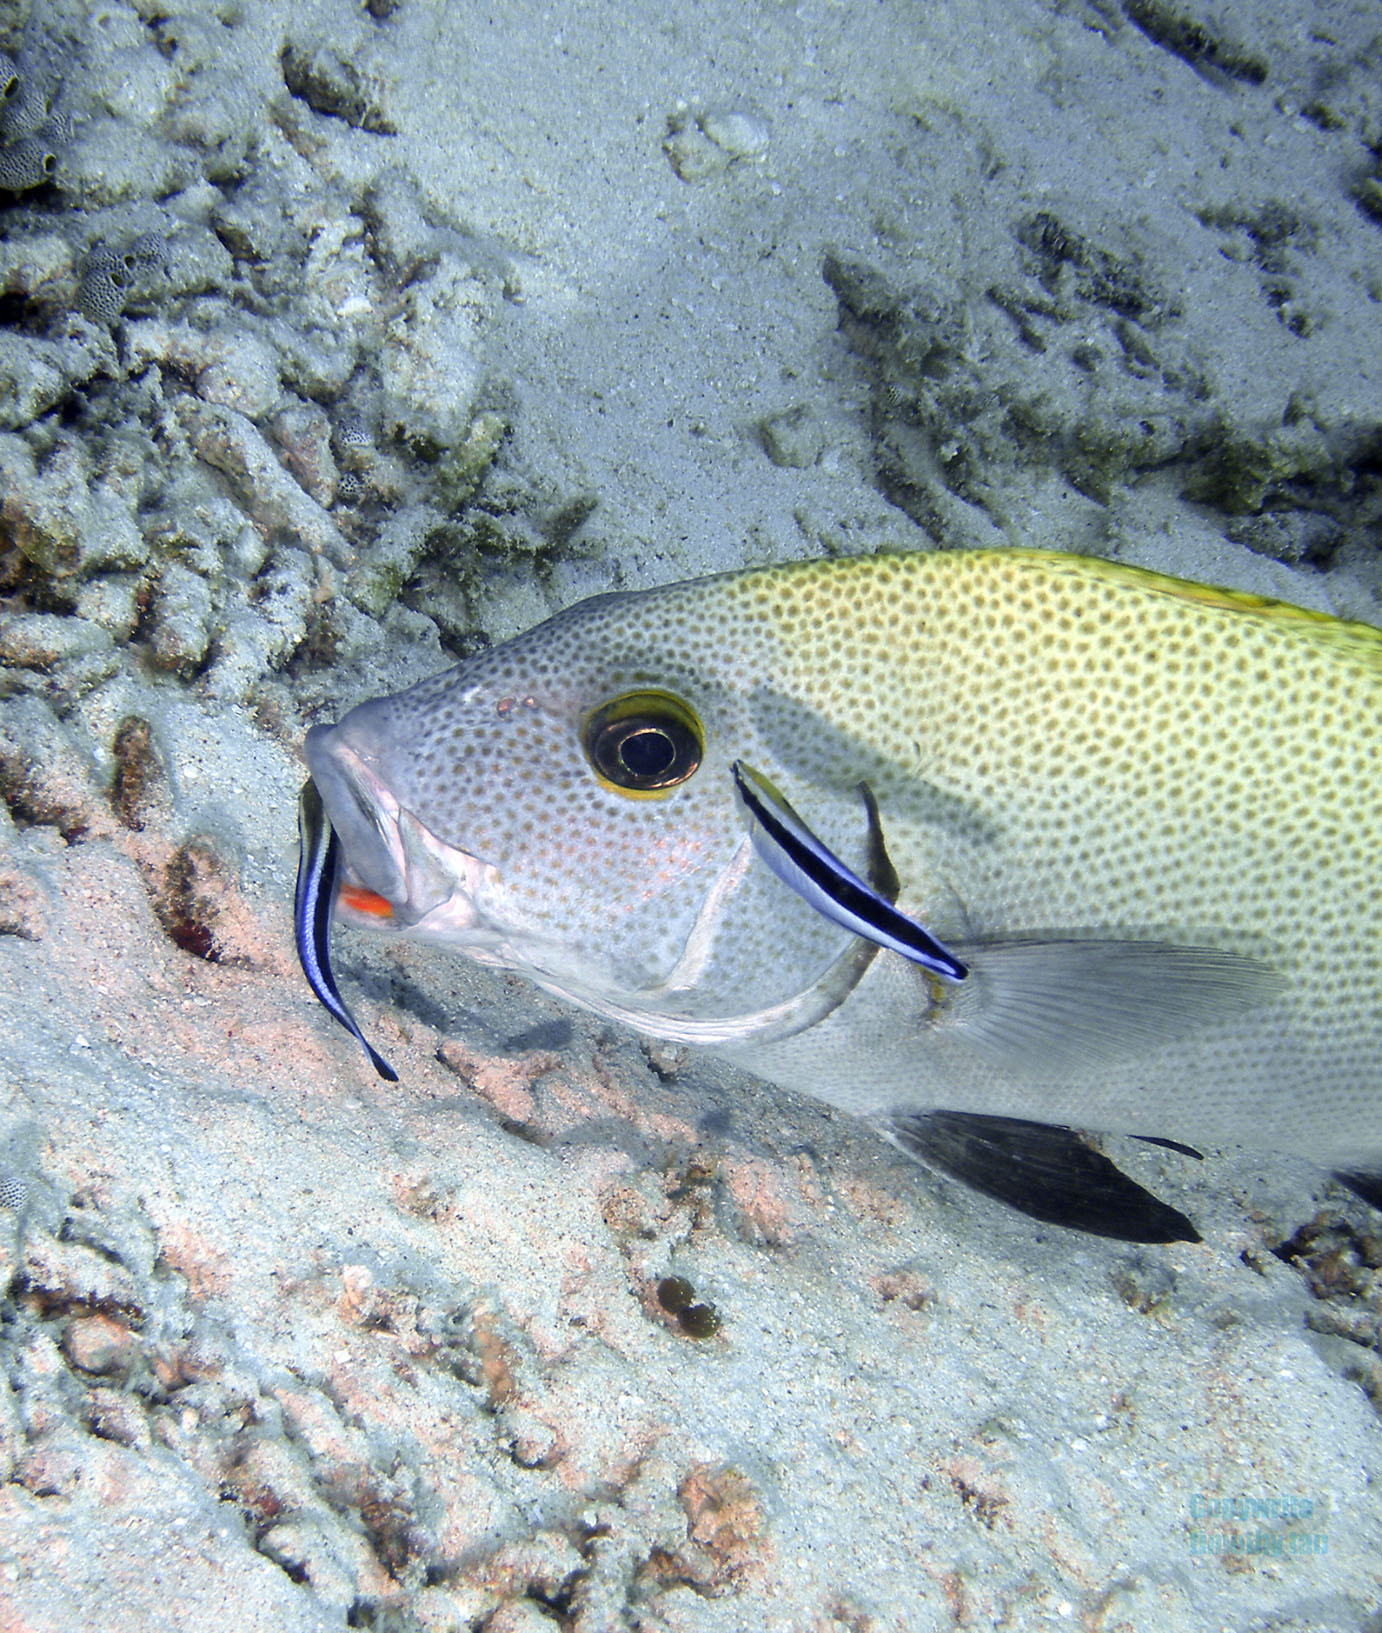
[1042,1170]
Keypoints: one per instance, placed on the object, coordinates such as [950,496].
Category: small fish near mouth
[318,882]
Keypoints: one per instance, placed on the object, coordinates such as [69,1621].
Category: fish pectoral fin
[1054,1006]
[1040,1169]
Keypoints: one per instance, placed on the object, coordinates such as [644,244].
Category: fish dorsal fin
[1360,641]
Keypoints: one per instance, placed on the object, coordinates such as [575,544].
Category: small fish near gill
[985,847]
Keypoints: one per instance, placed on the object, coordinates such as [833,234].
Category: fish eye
[644,742]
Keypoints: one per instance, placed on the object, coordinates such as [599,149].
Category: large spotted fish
[985,847]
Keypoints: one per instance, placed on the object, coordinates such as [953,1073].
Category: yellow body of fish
[1080,769]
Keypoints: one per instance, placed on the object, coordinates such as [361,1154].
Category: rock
[227,365]
[403,236]
[303,434]
[112,603]
[45,778]
[62,523]
[376,581]
[114,162]
[97,1343]
[309,1548]
[428,365]
[12,1439]
[41,640]
[341,82]
[259,637]
[793,438]
[204,528]
[735,131]
[131,82]
[316,361]
[251,223]
[702,143]
[34,263]
[232,444]
[37,374]
[181,620]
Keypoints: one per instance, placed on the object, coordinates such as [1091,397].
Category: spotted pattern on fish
[1064,753]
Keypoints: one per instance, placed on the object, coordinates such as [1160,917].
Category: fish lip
[432,887]
[361,810]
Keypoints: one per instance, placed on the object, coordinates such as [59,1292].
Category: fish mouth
[394,872]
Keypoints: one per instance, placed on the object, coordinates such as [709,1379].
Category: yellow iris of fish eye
[644,744]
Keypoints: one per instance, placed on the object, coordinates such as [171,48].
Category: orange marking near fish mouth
[366,901]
